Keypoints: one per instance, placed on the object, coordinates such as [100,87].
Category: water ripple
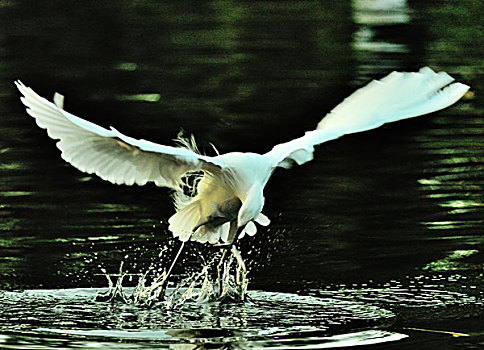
[267,315]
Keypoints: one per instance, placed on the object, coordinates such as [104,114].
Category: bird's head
[251,206]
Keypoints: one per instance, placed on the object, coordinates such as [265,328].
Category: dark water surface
[379,239]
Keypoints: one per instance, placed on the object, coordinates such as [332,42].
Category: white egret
[228,194]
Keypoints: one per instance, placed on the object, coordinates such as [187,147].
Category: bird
[218,199]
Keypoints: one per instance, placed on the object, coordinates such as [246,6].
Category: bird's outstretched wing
[109,154]
[395,97]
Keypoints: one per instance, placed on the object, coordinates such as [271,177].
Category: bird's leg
[238,257]
[241,272]
[164,281]
[241,269]
[235,252]
[232,236]
[175,260]
[220,266]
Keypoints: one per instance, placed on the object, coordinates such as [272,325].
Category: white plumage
[228,194]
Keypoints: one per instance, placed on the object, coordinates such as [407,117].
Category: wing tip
[461,87]
[20,87]
[456,91]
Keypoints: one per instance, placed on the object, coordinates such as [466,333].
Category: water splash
[230,284]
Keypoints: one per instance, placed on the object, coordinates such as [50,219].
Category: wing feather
[395,97]
[108,153]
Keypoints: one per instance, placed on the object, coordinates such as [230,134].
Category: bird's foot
[231,281]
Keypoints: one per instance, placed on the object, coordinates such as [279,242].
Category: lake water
[378,240]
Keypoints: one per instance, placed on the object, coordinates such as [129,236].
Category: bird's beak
[239,231]
[236,236]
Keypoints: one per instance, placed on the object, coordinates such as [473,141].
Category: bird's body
[227,195]
[220,196]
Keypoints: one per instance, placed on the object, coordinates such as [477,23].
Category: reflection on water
[379,218]
[74,312]
[383,36]
[369,337]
